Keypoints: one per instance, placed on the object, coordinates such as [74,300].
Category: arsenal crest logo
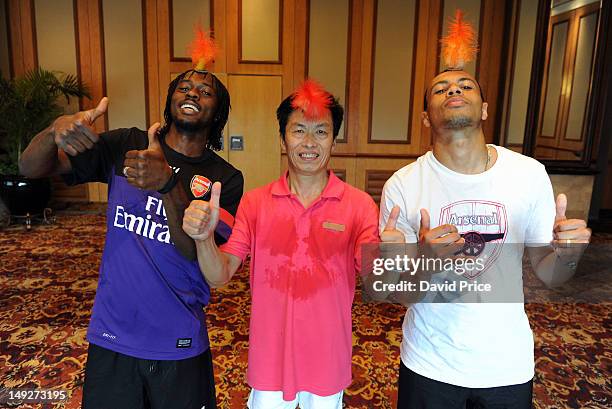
[199,186]
[483,225]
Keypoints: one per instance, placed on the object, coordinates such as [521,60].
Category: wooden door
[253,117]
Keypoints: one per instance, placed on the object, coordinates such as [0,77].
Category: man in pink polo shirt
[304,233]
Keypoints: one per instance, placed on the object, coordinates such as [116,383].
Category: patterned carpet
[48,280]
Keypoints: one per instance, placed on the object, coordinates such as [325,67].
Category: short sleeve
[231,193]
[239,242]
[541,217]
[392,196]
[97,163]
[368,232]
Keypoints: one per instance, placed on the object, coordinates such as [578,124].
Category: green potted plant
[28,104]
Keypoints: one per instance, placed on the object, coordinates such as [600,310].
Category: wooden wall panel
[394,40]
[184,15]
[491,61]
[328,49]
[22,36]
[5,58]
[260,27]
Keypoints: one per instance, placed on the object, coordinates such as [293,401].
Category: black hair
[447,70]
[215,138]
[285,109]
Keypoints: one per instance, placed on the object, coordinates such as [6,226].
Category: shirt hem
[151,355]
[303,388]
[491,383]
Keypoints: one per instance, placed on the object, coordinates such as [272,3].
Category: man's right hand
[201,217]
[74,133]
[442,241]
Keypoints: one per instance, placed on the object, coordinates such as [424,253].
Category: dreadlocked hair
[215,138]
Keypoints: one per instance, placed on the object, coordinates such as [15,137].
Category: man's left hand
[567,232]
[147,169]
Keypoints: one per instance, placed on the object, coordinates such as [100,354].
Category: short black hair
[447,70]
[286,108]
[215,138]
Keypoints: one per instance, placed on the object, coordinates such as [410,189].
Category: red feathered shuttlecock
[312,98]
[203,49]
[459,45]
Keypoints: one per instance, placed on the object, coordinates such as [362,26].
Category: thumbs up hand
[390,234]
[201,218]
[147,169]
[74,133]
[568,231]
[441,241]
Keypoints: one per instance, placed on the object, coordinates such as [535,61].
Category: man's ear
[282,141]
[485,114]
[425,119]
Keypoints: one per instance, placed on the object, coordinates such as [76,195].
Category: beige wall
[4,52]
[55,40]
[125,84]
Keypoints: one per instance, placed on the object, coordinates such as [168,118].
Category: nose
[193,93]
[454,90]
[309,140]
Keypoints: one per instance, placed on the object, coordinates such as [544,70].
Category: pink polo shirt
[303,272]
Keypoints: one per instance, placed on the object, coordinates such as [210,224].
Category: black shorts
[117,381]
[418,392]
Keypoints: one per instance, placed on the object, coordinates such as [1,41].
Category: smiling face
[194,102]
[454,102]
[308,143]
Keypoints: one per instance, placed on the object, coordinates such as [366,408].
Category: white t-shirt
[475,345]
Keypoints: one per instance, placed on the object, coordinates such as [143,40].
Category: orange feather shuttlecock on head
[459,46]
[203,49]
[312,98]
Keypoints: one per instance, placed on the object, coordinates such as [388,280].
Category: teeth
[190,106]
[309,155]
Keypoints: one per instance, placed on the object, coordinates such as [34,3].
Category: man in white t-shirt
[470,354]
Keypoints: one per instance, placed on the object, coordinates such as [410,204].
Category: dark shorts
[117,381]
[418,392]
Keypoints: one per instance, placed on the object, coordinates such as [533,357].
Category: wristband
[169,184]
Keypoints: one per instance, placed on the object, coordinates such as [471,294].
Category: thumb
[392,221]
[424,221]
[98,111]
[215,195]
[152,134]
[561,207]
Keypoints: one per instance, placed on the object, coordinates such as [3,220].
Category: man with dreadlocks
[149,345]
[304,234]
[463,198]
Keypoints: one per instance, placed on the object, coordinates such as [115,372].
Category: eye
[321,132]
[440,91]
[299,130]
[467,87]
[184,89]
